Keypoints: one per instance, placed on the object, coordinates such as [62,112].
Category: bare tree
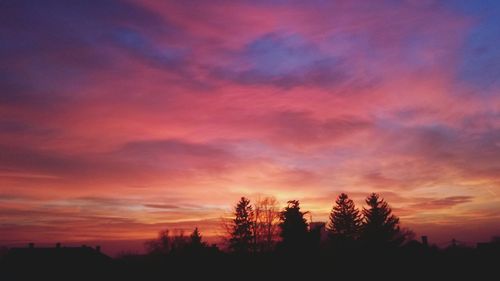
[265,227]
[161,245]
[167,242]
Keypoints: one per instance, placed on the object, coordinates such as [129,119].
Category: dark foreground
[402,264]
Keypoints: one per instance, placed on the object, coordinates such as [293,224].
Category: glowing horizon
[120,118]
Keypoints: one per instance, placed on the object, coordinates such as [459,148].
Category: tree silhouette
[293,226]
[241,233]
[161,245]
[196,239]
[167,242]
[196,246]
[380,227]
[345,219]
[266,220]
[179,242]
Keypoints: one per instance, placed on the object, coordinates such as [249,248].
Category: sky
[121,118]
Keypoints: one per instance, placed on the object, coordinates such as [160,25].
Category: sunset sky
[120,118]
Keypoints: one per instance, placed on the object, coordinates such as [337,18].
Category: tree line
[265,241]
[374,226]
[264,227]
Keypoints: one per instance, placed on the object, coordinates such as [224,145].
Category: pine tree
[380,227]
[241,232]
[293,226]
[196,239]
[345,220]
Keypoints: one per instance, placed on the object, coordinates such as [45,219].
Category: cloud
[52,48]
[301,128]
[168,147]
[284,61]
[134,162]
[446,202]
[161,206]
[165,57]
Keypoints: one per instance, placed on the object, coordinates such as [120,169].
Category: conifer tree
[196,239]
[294,226]
[345,219]
[241,229]
[380,227]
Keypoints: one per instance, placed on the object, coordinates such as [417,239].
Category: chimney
[98,248]
[425,241]
[31,245]
[58,245]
